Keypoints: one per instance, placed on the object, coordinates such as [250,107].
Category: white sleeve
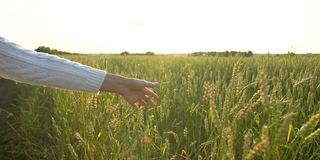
[38,68]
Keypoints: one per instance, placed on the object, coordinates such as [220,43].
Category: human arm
[36,68]
[27,66]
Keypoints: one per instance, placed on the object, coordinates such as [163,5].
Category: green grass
[206,108]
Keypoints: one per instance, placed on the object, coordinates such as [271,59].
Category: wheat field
[265,107]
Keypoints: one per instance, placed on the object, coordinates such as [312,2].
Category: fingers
[132,101]
[138,101]
[143,101]
[150,100]
[146,98]
[140,93]
[150,93]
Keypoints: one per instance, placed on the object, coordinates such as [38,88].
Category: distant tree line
[224,54]
[52,51]
[126,53]
[292,54]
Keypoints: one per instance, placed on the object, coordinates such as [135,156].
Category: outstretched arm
[27,66]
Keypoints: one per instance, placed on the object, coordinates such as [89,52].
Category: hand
[136,92]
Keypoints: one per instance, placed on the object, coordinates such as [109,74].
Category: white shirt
[37,68]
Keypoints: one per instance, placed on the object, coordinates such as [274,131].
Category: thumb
[151,84]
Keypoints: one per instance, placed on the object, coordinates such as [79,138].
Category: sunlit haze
[163,26]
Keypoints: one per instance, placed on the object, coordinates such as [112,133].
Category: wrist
[113,83]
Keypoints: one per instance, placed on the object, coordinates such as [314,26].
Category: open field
[210,108]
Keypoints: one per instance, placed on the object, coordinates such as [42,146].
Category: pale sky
[163,26]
